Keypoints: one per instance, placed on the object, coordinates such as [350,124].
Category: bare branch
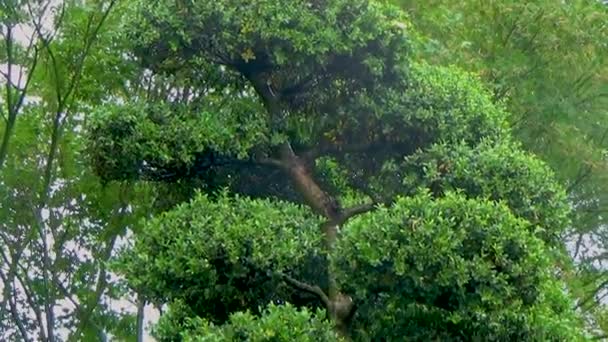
[46,42]
[583,173]
[8,75]
[87,312]
[351,212]
[579,243]
[307,288]
[30,46]
[90,39]
[270,162]
[13,306]
[31,299]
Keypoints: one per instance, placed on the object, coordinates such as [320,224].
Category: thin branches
[64,96]
[13,107]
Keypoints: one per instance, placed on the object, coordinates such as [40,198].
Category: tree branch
[270,162]
[307,288]
[13,306]
[351,212]
[583,173]
[320,201]
[32,299]
[592,295]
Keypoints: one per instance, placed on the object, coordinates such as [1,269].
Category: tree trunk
[340,307]
[141,304]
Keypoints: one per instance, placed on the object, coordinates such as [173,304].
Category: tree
[59,225]
[547,61]
[325,168]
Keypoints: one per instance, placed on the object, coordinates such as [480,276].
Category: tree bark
[340,307]
[141,304]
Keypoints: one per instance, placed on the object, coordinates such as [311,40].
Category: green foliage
[175,142]
[443,104]
[222,255]
[199,47]
[58,224]
[547,62]
[497,172]
[274,100]
[452,269]
[134,141]
[294,39]
[440,105]
[276,323]
[85,219]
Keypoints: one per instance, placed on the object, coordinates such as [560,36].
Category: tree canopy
[319,170]
[337,172]
[547,61]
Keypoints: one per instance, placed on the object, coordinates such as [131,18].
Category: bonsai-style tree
[332,174]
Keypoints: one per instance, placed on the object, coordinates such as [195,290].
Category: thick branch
[341,311]
[141,305]
[307,288]
[298,87]
[265,92]
[295,166]
[270,162]
[10,121]
[351,212]
[304,182]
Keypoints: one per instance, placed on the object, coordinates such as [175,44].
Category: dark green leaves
[293,37]
[324,92]
[495,172]
[277,323]
[451,269]
[158,140]
[222,255]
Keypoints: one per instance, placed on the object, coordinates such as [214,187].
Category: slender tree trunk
[8,131]
[141,304]
[11,114]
